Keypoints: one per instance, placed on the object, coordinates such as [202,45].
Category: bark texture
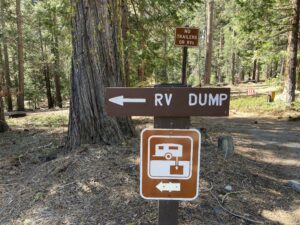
[6,69]
[282,67]
[298,83]
[257,76]
[125,28]
[233,62]
[7,77]
[46,71]
[20,101]
[269,71]
[97,62]
[3,124]
[55,50]
[209,41]
[242,75]
[221,57]
[254,69]
[291,65]
[233,70]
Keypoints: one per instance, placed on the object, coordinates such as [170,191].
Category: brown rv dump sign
[187,37]
[167,102]
[170,161]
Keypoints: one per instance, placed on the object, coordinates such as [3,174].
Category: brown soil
[42,183]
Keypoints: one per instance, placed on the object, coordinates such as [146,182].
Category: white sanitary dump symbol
[168,150]
[171,167]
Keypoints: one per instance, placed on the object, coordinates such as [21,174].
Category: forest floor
[43,183]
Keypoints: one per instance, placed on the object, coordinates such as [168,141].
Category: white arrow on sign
[170,187]
[120,100]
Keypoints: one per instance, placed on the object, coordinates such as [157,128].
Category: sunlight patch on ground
[40,216]
[268,157]
[135,160]
[41,119]
[283,217]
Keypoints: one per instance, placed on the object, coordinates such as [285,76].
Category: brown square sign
[170,162]
[187,37]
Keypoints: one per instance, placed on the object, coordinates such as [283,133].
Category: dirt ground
[43,183]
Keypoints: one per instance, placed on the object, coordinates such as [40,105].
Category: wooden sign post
[168,209]
[186,37]
[173,173]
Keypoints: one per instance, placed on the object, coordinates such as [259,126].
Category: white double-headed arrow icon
[120,100]
[170,187]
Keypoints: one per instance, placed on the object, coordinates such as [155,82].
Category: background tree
[3,124]
[20,102]
[48,40]
[250,41]
[291,63]
[6,69]
[153,57]
[209,41]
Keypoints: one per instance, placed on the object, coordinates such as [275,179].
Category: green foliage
[151,39]
[275,82]
[259,104]
[262,30]
[49,121]
[55,119]
[49,20]
[248,30]
[43,22]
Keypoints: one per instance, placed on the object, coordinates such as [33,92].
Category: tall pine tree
[97,63]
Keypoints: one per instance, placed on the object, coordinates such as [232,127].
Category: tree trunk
[57,71]
[282,68]
[221,58]
[298,68]
[97,62]
[254,69]
[15,68]
[200,47]
[46,70]
[20,101]
[242,75]
[209,42]
[57,74]
[6,59]
[275,69]
[141,71]
[257,73]
[233,59]
[3,124]
[125,28]
[164,78]
[269,71]
[7,78]
[298,83]
[291,65]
